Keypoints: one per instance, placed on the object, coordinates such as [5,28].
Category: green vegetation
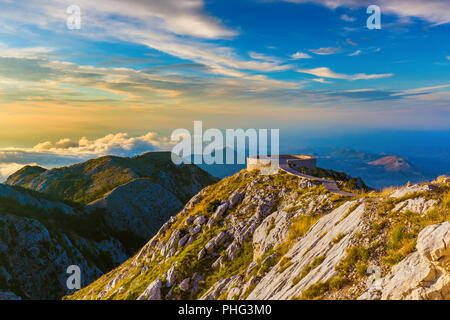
[338,238]
[285,263]
[317,290]
[315,263]
[301,225]
[347,183]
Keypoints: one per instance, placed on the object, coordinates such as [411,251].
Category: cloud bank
[67,152]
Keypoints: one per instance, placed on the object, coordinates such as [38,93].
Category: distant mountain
[41,237]
[377,170]
[91,180]
[94,214]
[138,194]
[392,163]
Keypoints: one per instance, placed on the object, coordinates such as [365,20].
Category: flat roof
[284,156]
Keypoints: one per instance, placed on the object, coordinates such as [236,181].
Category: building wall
[295,160]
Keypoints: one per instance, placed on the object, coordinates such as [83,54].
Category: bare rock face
[139,206]
[221,210]
[221,287]
[185,284]
[153,291]
[200,220]
[425,274]
[271,232]
[235,198]
[403,191]
[171,277]
[316,243]
[419,205]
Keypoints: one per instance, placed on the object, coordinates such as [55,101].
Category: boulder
[153,291]
[195,230]
[209,246]
[183,241]
[232,250]
[201,254]
[199,220]
[220,238]
[189,220]
[220,210]
[184,285]
[424,274]
[235,198]
[170,279]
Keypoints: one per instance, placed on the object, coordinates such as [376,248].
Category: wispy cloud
[321,80]
[325,72]
[173,27]
[435,11]
[423,90]
[348,18]
[300,55]
[357,52]
[325,51]
[65,151]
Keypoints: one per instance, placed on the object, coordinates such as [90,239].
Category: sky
[136,70]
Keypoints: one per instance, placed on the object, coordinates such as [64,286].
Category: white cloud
[66,152]
[118,144]
[7,169]
[423,90]
[300,55]
[261,56]
[324,72]
[325,51]
[435,11]
[321,80]
[348,18]
[175,27]
[357,52]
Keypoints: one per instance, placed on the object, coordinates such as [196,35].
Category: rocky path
[330,185]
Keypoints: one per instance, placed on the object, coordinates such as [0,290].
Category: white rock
[401,192]
[235,198]
[183,241]
[220,210]
[184,285]
[170,279]
[201,254]
[232,250]
[195,230]
[209,246]
[220,238]
[424,274]
[200,220]
[233,293]
[189,220]
[153,291]
[419,205]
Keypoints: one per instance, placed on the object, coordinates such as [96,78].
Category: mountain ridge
[283,237]
[96,235]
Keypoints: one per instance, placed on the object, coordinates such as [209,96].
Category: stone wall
[257,163]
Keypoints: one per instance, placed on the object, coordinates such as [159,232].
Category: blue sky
[140,67]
